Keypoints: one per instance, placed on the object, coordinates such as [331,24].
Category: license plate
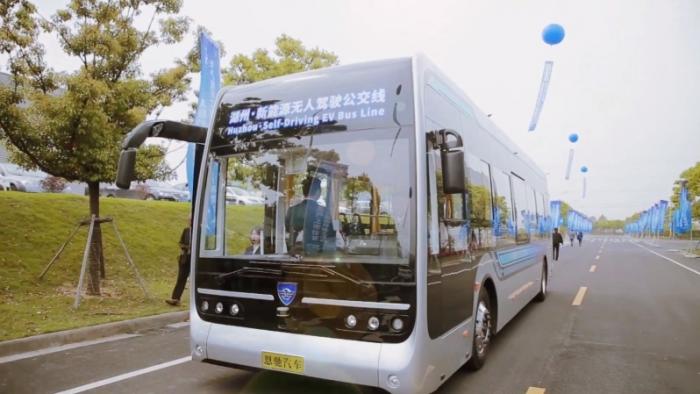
[282,362]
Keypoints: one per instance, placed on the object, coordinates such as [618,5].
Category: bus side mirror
[452,159]
[126,168]
[452,171]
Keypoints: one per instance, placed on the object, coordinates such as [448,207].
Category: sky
[626,78]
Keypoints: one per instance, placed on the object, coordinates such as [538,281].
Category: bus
[400,230]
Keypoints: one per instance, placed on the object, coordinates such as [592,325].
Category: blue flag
[209,85]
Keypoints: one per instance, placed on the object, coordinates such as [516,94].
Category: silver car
[13,177]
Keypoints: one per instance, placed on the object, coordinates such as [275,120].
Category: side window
[451,208]
[481,233]
[522,214]
[211,212]
[440,110]
[452,216]
[503,223]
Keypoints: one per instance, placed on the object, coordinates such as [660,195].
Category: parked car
[19,179]
[149,190]
[4,185]
[240,196]
[164,191]
[184,188]
[111,190]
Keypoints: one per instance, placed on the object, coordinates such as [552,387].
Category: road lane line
[597,257]
[592,268]
[534,390]
[125,376]
[579,296]
[669,259]
[55,349]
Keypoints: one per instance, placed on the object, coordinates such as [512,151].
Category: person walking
[556,241]
[183,270]
[571,237]
[579,236]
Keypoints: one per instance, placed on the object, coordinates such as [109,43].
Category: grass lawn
[32,228]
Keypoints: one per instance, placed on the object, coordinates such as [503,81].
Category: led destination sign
[311,111]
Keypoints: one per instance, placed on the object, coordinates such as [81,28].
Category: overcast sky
[626,78]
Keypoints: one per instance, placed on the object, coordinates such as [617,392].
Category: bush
[53,184]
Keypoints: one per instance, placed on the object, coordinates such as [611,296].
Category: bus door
[451,270]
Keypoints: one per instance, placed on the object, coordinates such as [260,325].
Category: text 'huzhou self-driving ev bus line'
[399,231]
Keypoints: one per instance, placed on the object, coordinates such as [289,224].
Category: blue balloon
[584,169]
[573,137]
[553,34]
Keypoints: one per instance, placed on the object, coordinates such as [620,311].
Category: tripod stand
[91,223]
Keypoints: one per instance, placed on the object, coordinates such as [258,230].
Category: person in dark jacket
[183,270]
[579,236]
[309,223]
[556,241]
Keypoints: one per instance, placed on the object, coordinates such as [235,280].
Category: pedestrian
[556,241]
[571,237]
[579,236]
[183,270]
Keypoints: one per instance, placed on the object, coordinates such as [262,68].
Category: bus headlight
[373,323]
[205,306]
[234,309]
[397,324]
[219,307]
[351,321]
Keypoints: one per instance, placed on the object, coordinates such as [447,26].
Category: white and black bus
[398,228]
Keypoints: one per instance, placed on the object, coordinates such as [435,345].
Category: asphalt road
[636,330]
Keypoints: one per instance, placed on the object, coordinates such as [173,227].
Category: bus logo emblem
[286,292]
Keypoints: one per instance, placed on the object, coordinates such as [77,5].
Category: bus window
[481,232]
[244,199]
[211,210]
[330,202]
[521,209]
[503,224]
[440,110]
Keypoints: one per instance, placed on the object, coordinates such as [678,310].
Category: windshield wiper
[330,271]
[253,270]
[296,261]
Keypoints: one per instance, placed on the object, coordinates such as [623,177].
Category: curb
[42,341]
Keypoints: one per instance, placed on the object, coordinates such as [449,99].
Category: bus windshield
[333,197]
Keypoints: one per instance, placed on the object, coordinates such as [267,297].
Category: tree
[692,175]
[71,124]
[290,56]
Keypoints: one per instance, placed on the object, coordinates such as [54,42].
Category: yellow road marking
[534,390]
[579,296]
[592,268]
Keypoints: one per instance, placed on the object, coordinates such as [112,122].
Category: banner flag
[209,85]
[555,209]
[544,85]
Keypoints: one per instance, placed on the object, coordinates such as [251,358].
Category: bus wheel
[543,285]
[483,331]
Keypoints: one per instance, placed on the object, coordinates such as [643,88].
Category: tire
[483,331]
[150,197]
[544,283]
[13,187]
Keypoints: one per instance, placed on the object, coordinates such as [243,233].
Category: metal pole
[131,262]
[84,266]
[60,250]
